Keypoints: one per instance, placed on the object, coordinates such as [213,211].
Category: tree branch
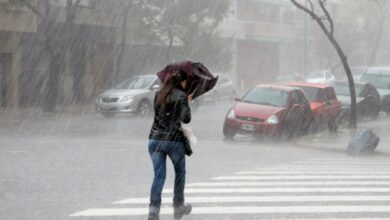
[32,8]
[329,18]
[305,9]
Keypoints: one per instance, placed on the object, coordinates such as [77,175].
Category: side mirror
[155,87]
[237,99]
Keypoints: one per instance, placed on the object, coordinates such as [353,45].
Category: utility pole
[306,30]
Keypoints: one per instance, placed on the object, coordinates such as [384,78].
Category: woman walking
[166,139]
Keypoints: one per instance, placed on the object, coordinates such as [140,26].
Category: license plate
[248,127]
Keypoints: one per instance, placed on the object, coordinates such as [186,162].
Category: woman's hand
[189,97]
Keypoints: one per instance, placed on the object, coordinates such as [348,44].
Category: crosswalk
[332,188]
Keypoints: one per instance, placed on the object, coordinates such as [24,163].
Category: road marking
[289,183]
[312,173]
[282,190]
[232,199]
[312,187]
[370,177]
[241,210]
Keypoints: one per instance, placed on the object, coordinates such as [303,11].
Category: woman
[166,139]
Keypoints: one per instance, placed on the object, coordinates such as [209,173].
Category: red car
[323,102]
[269,110]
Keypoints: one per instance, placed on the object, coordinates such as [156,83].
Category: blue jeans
[159,150]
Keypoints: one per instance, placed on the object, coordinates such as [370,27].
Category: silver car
[224,89]
[134,95]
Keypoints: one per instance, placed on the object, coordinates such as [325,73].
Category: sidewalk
[339,141]
[34,113]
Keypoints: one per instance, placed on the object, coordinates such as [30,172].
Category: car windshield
[380,81]
[343,89]
[315,75]
[136,83]
[285,77]
[310,92]
[266,96]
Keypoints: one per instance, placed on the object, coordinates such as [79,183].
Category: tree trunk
[122,46]
[344,60]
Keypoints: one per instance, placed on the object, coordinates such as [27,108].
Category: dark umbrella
[200,80]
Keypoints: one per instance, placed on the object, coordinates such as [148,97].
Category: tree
[48,33]
[188,28]
[321,16]
[383,9]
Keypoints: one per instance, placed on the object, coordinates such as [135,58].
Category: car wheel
[144,108]
[108,114]
[333,124]
[228,133]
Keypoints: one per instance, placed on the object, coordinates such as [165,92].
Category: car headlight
[127,99]
[273,119]
[231,114]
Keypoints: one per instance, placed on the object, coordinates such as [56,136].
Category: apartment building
[24,60]
[263,30]
[274,37]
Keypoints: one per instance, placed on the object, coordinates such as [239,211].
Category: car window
[136,83]
[343,89]
[266,96]
[377,79]
[330,94]
[156,82]
[322,96]
[302,98]
[310,92]
[295,99]
[315,75]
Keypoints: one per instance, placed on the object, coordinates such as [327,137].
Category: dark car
[380,78]
[368,102]
[269,110]
[323,102]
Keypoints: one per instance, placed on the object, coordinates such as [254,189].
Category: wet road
[90,167]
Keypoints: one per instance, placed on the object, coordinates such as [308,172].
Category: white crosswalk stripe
[358,189]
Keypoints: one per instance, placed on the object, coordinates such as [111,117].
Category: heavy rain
[288,104]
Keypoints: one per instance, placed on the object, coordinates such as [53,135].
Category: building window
[258,11]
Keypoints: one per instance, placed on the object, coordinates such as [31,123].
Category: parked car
[269,110]
[323,76]
[134,95]
[380,78]
[224,89]
[323,102]
[368,102]
[285,78]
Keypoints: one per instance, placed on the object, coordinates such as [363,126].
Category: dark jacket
[166,125]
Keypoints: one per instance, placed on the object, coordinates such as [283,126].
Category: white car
[323,76]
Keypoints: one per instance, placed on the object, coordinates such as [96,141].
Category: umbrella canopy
[199,81]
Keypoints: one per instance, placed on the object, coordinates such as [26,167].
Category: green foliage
[189,28]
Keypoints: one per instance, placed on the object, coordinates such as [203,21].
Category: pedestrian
[166,139]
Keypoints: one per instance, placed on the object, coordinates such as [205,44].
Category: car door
[333,105]
[295,109]
[153,89]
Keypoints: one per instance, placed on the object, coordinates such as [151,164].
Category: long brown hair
[173,82]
